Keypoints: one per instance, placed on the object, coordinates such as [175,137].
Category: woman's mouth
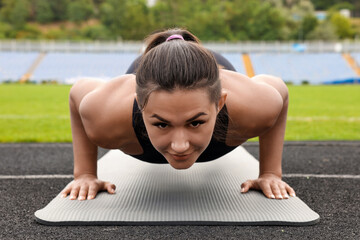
[180,157]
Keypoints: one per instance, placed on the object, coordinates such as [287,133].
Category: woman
[179,108]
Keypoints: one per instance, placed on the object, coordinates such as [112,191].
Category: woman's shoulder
[252,104]
[107,111]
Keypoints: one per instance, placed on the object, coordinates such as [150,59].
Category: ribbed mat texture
[156,194]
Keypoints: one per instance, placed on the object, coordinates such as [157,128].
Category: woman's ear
[222,100]
[135,96]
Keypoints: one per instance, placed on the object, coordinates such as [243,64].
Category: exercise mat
[208,193]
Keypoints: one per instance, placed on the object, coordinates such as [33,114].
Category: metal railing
[240,47]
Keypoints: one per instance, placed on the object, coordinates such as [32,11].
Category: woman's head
[176,64]
[179,92]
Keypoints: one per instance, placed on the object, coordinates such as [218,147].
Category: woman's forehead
[193,95]
[178,102]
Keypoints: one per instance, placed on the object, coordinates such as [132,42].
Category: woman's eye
[196,124]
[161,125]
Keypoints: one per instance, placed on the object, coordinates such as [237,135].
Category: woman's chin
[181,165]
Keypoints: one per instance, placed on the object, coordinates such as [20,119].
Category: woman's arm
[271,148]
[85,184]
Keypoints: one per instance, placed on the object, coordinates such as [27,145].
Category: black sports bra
[215,149]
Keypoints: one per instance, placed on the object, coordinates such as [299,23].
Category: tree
[5,30]
[19,14]
[167,13]
[327,4]
[254,20]
[308,24]
[137,19]
[209,22]
[324,31]
[112,15]
[44,13]
[80,10]
[267,23]
[96,32]
[6,9]
[342,26]
[59,9]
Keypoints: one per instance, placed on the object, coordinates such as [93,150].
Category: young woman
[180,107]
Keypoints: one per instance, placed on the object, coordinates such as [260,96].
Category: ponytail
[158,38]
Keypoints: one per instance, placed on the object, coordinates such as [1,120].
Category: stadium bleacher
[64,67]
[315,68]
[236,60]
[14,64]
[67,67]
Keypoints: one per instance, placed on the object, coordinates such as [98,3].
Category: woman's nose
[180,147]
[180,143]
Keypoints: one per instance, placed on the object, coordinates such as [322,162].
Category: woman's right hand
[86,186]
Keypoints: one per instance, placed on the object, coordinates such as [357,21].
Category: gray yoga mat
[156,194]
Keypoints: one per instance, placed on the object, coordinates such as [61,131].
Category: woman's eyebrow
[189,120]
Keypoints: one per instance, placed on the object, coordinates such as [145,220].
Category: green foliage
[15,12]
[28,32]
[342,26]
[308,24]
[324,30]
[112,15]
[327,4]
[5,30]
[210,20]
[80,10]
[96,32]
[209,25]
[56,34]
[266,23]
[139,15]
[342,5]
[59,9]
[44,13]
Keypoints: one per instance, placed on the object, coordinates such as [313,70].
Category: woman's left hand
[271,185]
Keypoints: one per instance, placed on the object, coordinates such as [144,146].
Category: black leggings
[219,59]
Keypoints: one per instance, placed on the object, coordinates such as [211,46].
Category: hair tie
[174,36]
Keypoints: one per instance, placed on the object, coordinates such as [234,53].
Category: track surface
[333,191]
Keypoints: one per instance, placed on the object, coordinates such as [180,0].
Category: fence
[239,47]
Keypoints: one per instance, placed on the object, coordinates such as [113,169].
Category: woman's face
[180,124]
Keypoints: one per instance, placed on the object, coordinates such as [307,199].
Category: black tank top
[215,149]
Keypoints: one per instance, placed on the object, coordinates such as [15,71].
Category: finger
[267,191]
[276,191]
[83,193]
[246,186]
[93,189]
[283,191]
[290,190]
[110,187]
[74,193]
[66,191]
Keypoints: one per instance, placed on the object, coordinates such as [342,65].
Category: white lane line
[6,177]
[300,175]
[289,175]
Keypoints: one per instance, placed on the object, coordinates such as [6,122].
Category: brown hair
[176,64]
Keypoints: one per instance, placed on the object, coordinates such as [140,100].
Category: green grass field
[40,113]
